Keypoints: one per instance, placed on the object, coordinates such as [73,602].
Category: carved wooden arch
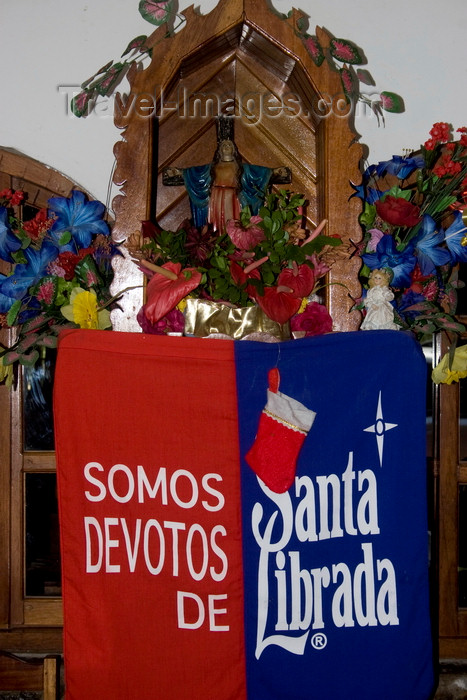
[20,171]
[288,112]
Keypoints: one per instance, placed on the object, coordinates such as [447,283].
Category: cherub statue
[379,311]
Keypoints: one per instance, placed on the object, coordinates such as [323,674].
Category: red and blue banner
[186,576]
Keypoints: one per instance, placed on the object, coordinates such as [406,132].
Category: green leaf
[221,263]
[302,23]
[276,226]
[19,257]
[46,290]
[64,238]
[425,327]
[234,295]
[443,203]
[107,84]
[365,271]
[30,359]
[35,323]
[345,51]
[391,102]
[48,341]
[155,12]
[368,215]
[365,77]
[58,327]
[64,290]
[10,357]
[101,70]
[23,237]
[268,276]
[83,103]
[27,342]
[86,272]
[397,192]
[315,49]
[349,82]
[245,216]
[135,44]
[297,254]
[13,312]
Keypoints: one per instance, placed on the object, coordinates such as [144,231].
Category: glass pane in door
[37,404]
[42,547]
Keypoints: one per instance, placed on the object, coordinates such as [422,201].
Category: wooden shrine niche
[244,61]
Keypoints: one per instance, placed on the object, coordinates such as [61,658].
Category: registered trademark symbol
[319,641]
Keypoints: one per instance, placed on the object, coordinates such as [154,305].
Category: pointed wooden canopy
[241,57]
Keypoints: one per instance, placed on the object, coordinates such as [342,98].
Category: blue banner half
[336,567]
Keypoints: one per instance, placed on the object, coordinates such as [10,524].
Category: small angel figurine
[379,311]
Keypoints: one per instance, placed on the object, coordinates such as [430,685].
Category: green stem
[120,294]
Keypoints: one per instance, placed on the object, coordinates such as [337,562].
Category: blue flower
[31,308]
[401,262]
[368,194]
[77,215]
[399,166]
[453,237]
[27,274]
[406,303]
[427,247]
[5,301]
[8,241]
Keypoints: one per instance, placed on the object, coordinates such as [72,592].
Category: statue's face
[226,150]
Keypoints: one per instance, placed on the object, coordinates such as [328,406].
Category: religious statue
[219,190]
[379,311]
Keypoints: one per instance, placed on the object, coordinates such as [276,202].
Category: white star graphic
[379,428]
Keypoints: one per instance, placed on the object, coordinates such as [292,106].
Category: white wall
[415,48]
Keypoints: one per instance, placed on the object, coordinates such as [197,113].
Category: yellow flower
[6,374]
[181,306]
[303,305]
[443,374]
[83,310]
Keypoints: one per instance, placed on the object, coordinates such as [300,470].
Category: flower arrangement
[267,260]
[60,273]
[413,227]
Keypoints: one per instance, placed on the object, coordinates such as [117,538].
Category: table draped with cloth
[207,556]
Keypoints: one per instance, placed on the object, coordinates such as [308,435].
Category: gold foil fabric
[204,318]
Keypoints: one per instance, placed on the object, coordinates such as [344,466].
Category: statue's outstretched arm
[281,176]
[172,176]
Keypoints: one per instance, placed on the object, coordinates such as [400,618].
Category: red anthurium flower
[299,279]
[245,237]
[398,211]
[240,278]
[164,292]
[278,304]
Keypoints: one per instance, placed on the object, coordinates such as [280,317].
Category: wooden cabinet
[30,602]
[451,512]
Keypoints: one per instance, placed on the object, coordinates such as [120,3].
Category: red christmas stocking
[283,426]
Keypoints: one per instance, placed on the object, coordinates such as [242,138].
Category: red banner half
[148,478]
